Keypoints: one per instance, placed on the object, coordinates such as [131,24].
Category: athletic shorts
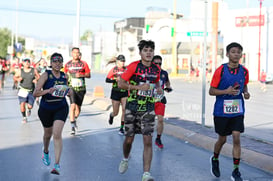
[159,108]
[77,97]
[117,95]
[225,125]
[29,99]
[48,116]
[139,123]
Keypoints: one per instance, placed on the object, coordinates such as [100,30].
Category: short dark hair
[75,48]
[157,57]
[234,44]
[146,43]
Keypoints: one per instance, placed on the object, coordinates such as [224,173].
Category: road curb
[253,158]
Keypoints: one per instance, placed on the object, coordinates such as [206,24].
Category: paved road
[185,102]
[94,153]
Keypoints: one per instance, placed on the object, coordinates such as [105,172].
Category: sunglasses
[56,59]
[27,61]
[158,63]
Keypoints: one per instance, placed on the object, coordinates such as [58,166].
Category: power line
[60,13]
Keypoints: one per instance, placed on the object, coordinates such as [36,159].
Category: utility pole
[16,23]
[259,51]
[77,33]
[174,50]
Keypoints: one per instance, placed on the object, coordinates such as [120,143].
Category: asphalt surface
[95,152]
[255,150]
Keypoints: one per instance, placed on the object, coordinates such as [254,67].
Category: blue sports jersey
[229,105]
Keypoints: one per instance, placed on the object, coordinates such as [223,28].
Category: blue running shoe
[56,169]
[46,159]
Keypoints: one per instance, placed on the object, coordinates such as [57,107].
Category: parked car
[269,78]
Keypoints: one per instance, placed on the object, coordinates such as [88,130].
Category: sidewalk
[257,153]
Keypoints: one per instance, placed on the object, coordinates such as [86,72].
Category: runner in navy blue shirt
[53,109]
[160,104]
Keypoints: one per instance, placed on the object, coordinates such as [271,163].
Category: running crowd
[138,89]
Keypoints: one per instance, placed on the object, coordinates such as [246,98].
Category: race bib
[23,92]
[75,82]
[61,91]
[158,96]
[147,93]
[232,106]
[1,67]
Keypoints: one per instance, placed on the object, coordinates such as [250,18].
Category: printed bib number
[147,93]
[23,92]
[232,106]
[76,82]
[61,91]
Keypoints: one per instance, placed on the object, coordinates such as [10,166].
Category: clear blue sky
[55,19]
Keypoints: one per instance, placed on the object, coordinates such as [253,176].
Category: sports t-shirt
[27,79]
[224,77]
[50,101]
[164,77]
[78,84]
[137,74]
[219,73]
[113,74]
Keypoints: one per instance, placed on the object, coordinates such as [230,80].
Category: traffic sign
[196,33]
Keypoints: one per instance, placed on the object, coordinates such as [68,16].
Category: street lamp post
[204,66]
[259,52]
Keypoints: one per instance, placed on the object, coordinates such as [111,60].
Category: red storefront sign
[249,21]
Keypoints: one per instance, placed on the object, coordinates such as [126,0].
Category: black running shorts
[117,95]
[77,97]
[48,117]
[225,125]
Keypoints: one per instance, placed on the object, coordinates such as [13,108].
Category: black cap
[121,58]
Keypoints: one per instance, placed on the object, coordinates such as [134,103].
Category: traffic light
[147,28]
[172,32]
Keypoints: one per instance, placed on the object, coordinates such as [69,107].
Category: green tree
[5,37]
[5,41]
[87,35]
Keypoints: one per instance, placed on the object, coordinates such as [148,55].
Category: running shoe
[236,175]
[123,166]
[215,171]
[121,131]
[159,143]
[56,169]
[46,159]
[28,113]
[74,128]
[24,120]
[111,118]
[147,177]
